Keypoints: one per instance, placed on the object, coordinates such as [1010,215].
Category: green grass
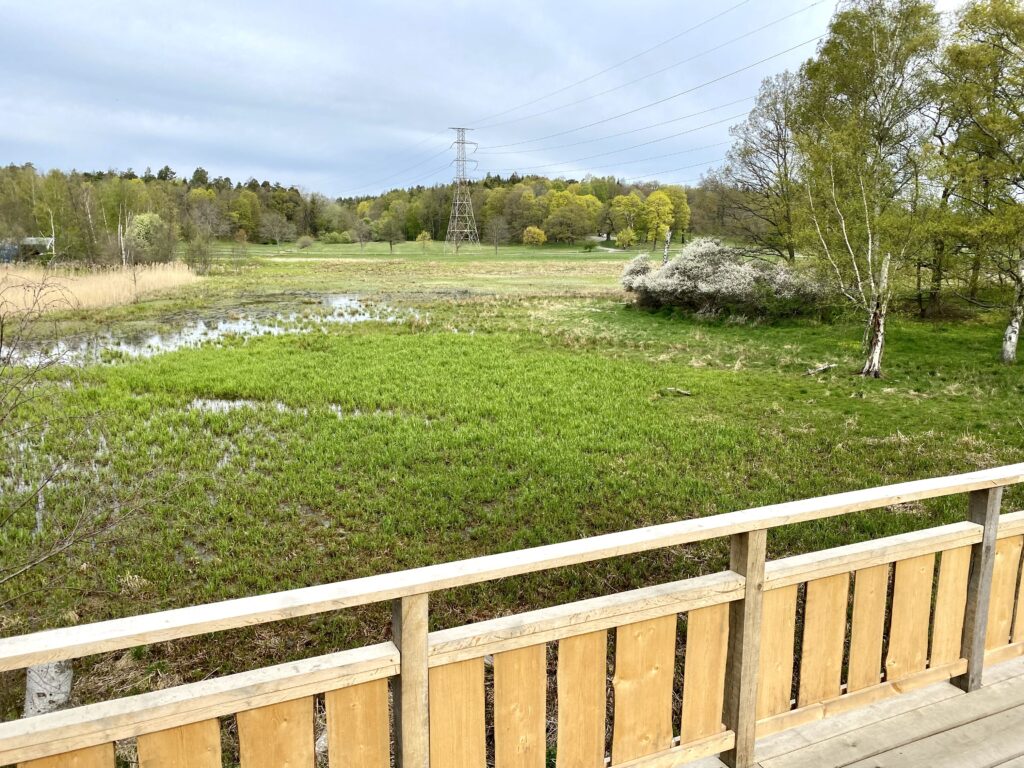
[523,408]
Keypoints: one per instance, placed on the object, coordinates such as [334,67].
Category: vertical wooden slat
[821,656]
[707,647]
[189,746]
[457,728]
[746,557]
[778,637]
[645,655]
[358,731]
[582,700]
[1018,621]
[409,626]
[277,736]
[950,601]
[101,756]
[1004,588]
[520,708]
[870,589]
[911,610]
[983,509]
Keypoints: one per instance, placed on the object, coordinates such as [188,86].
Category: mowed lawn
[525,402]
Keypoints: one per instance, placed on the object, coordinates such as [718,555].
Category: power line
[637,146]
[698,87]
[609,135]
[613,66]
[657,71]
[398,173]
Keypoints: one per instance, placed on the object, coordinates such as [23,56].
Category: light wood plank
[867,554]
[788,740]
[520,708]
[1011,524]
[1004,587]
[278,736]
[457,728]
[950,605]
[358,727]
[1018,620]
[582,669]
[645,655]
[778,637]
[70,729]
[687,753]
[409,628]
[190,746]
[870,592]
[821,656]
[747,558]
[849,702]
[878,738]
[984,743]
[100,756]
[73,642]
[548,624]
[707,646]
[983,509]
[911,611]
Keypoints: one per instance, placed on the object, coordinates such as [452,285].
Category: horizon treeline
[91,216]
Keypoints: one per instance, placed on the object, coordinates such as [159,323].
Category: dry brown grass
[40,289]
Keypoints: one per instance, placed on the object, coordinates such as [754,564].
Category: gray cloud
[339,96]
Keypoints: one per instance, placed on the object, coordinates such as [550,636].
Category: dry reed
[41,290]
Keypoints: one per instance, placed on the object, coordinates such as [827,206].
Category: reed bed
[38,289]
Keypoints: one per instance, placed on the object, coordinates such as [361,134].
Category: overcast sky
[345,97]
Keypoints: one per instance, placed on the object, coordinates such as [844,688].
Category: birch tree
[983,70]
[861,132]
[760,171]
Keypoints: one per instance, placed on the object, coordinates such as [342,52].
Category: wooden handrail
[73,642]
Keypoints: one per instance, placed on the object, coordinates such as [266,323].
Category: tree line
[894,156]
[93,217]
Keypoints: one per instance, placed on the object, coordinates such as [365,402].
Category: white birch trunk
[875,344]
[47,687]
[1012,333]
[874,334]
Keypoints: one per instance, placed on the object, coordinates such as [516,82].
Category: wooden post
[983,509]
[411,698]
[747,559]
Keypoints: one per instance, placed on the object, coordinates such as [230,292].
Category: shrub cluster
[711,278]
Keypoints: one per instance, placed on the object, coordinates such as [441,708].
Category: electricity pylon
[461,224]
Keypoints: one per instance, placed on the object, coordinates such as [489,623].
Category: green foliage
[336,238]
[305,241]
[626,238]
[659,214]
[152,238]
[534,236]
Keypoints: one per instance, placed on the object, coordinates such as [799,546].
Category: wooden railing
[941,602]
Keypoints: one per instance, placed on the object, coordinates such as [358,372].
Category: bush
[589,247]
[305,241]
[534,236]
[708,277]
[336,238]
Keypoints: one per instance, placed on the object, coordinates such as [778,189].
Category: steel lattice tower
[461,224]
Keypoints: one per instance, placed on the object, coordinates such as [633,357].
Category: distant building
[35,246]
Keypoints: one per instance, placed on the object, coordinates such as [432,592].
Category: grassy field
[512,401]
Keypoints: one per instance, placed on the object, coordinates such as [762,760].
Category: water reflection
[111,346]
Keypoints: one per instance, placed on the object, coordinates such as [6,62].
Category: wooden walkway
[935,727]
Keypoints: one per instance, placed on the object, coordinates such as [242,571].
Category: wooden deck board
[936,726]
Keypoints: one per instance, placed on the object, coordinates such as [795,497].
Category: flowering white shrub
[709,277]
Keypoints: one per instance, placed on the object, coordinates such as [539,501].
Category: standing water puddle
[111,345]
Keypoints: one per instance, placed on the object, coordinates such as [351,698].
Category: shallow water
[110,346]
